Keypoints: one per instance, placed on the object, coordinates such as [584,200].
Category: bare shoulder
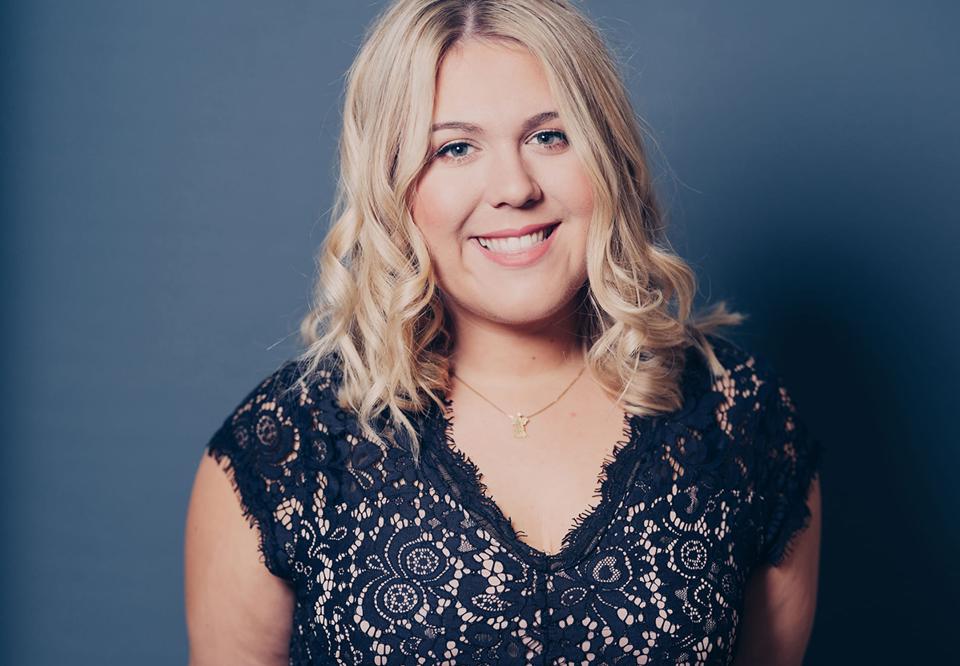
[237,611]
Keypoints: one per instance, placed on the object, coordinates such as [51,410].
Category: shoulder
[263,418]
[752,382]
[759,437]
[279,406]
[740,363]
[720,396]
[748,401]
[748,381]
[270,439]
[268,446]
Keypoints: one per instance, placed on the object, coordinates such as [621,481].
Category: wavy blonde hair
[378,309]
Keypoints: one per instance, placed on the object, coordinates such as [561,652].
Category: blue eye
[453,150]
[459,150]
[551,134]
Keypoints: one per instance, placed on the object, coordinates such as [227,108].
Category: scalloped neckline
[613,480]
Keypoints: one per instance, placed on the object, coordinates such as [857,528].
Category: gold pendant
[519,425]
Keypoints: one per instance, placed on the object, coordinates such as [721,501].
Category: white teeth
[513,243]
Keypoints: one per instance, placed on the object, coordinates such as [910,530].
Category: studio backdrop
[167,169]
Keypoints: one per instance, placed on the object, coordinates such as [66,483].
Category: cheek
[569,185]
[429,222]
[440,207]
[578,192]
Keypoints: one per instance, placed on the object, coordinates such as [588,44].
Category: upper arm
[781,592]
[237,611]
[780,601]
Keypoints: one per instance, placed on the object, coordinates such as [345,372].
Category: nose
[510,182]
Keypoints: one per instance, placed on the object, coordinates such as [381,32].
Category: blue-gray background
[166,169]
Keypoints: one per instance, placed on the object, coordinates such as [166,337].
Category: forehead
[481,81]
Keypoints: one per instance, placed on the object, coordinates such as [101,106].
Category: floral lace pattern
[397,564]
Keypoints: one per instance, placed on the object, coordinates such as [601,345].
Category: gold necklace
[520,420]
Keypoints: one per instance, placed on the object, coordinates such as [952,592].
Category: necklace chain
[519,419]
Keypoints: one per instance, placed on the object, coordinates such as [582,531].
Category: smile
[519,250]
[516,244]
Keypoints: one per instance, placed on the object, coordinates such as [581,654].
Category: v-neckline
[612,481]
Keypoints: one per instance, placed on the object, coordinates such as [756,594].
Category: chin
[525,312]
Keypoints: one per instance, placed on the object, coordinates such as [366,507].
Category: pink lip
[507,233]
[521,259]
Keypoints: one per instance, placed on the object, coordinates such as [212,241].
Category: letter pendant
[519,425]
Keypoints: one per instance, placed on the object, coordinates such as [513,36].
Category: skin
[516,344]
[515,326]
[237,611]
[505,176]
[780,602]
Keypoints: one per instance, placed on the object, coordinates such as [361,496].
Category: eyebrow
[528,124]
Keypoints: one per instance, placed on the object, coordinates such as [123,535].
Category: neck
[516,358]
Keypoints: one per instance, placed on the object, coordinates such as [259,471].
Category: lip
[521,259]
[523,231]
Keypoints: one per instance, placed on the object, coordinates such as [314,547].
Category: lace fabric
[395,563]
[589,525]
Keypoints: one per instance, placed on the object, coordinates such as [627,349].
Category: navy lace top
[392,563]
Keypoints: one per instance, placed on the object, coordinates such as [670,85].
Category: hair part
[377,307]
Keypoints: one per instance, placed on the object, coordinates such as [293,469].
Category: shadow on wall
[864,347]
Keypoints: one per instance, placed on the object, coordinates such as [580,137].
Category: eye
[553,139]
[455,151]
[458,151]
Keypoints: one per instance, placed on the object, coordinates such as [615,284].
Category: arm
[780,601]
[237,611]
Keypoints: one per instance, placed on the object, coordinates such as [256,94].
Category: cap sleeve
[260,442]
[788,461]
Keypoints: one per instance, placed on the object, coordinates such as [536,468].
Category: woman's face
[504,204]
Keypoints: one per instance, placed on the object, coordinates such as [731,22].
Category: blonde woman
[507,440]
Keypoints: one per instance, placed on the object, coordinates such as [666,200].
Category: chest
[420,570]
[404,564]
[543,481]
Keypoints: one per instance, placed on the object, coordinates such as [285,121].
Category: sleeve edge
[257,519]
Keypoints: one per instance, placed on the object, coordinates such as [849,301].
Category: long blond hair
[377,307]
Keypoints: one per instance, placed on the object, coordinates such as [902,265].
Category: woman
[507,441]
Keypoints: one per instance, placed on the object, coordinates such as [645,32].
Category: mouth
[517,244]
[522,248]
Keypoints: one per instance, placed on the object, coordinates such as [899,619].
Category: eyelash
[442,153]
